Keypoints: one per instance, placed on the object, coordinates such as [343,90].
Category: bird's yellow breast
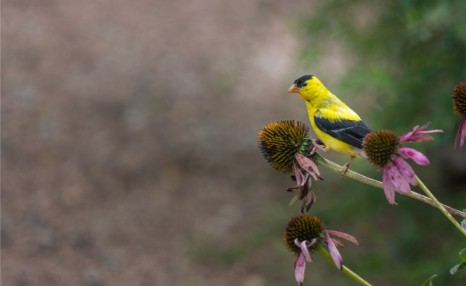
[331,143]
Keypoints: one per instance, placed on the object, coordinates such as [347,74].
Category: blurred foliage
[405,58]
[408,55]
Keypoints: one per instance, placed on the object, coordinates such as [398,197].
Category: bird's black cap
[300,82]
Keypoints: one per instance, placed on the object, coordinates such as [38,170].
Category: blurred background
[129,138]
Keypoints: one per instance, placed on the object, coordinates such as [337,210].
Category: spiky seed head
[280,141]
[303,227]
[459,99]
[379,146]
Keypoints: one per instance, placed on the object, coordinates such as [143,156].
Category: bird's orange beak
[293,89]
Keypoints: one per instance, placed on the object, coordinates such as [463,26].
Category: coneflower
[287,147]
[303,233]
[459,105]
[383,149]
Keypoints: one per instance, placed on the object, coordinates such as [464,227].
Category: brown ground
[129,141]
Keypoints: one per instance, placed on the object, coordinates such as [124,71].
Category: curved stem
[369,181]
[440,206]
[348,272]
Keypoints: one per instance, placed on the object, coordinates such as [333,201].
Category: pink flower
[459,106]
[303,233]
[382,149]
[461,135]
[287,147]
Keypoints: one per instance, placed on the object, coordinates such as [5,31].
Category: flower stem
[348,272]
[371,182]
[440,206]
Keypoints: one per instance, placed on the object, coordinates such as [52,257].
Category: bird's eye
[300,84]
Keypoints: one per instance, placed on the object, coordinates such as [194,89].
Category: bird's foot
[317,145]
[345,168]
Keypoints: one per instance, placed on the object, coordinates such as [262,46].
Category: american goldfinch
[338,127]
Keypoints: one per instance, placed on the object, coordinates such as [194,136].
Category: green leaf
[462,254]
[428,282]
[457,267]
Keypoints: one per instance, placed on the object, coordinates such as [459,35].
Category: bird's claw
[317,145]
[345,169]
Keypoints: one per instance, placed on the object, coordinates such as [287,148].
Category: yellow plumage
[338,127]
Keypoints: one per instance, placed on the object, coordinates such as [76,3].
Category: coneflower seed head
[303,227]
[280,141]
[459,99]
[379,146]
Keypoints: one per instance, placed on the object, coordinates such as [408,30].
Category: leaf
[461,265]
[462,254]
[457,267]
[428,282]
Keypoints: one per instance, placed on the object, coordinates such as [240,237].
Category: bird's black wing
[348,131]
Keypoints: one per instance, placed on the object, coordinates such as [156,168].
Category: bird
[337,126]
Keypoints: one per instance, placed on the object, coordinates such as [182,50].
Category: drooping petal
[388,187]
[307,165]
[419,134]
[344,235]
[405,169]
[308,201]
[334,253]
[304,249]
[298,175]
[398,181]
[300,269]
[301,192]
[416,156]
[461,135]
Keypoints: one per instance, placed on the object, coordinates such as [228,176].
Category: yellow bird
[338,127]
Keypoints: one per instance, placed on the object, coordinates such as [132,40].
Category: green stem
[371,182]
[440,206]
[348,272]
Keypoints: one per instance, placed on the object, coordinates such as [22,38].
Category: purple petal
[344,235]
[461,135]
[334,253]
[398,181]
[405,169]
[388,187]
[416,156]
[300,269]
[307,165]
[418,134]
[305,250]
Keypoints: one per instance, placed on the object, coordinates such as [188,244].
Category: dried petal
[343,235]
[298,175]
[308,165]
[308,201]
[300,269]
[416,156]
[334,253]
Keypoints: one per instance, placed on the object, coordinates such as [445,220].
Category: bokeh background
[129,153]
